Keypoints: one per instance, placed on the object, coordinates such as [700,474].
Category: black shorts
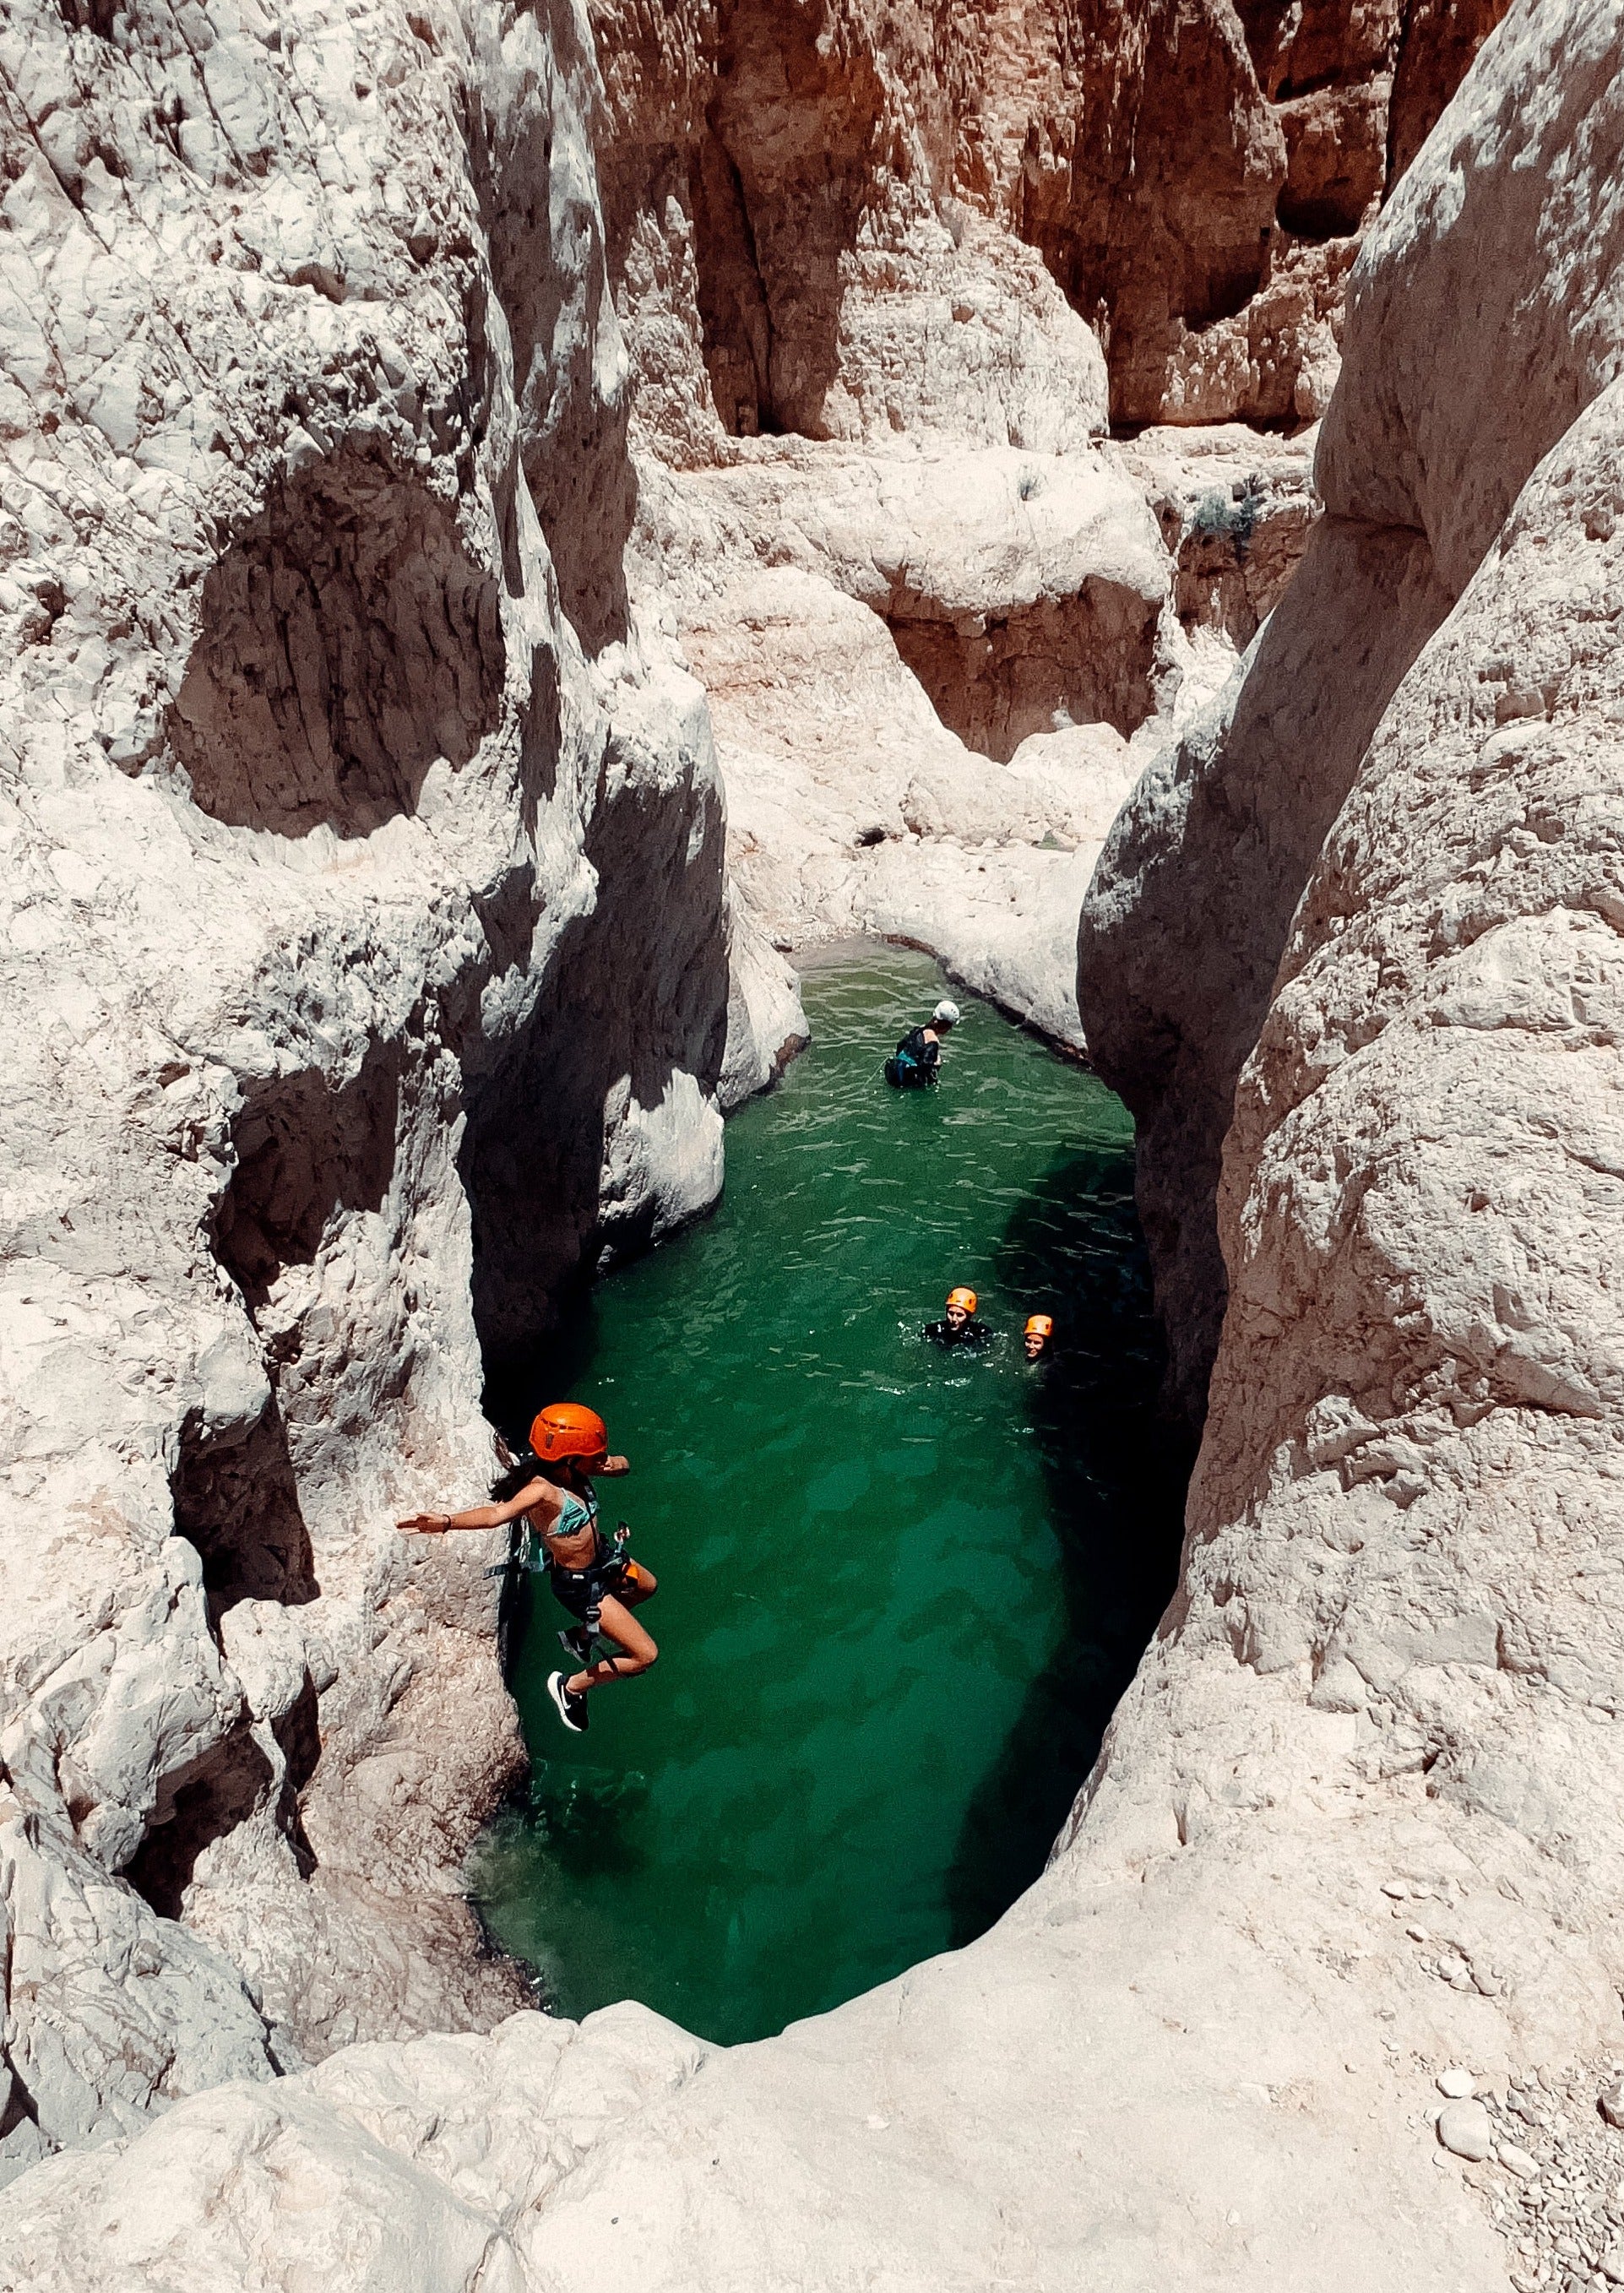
[582,1590]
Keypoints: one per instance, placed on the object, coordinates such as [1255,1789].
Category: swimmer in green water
[959,1326]
[1038,1336]
[592,1579]
[917,1060]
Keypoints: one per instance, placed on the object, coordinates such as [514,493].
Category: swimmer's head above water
[945,1014]
[1039,1329]
[958,1325]
[961,1306]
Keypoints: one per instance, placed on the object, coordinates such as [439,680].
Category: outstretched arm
[536,1495]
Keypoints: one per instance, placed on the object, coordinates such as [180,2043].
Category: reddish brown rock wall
[1194,174]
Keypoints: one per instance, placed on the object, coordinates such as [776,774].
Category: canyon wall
[367,970]
[872,512]
[1322,1984]
[1190,908]
[374,966]
[823,199]
[887,278]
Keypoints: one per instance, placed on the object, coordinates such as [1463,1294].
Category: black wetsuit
[915,1061]
[971,1334]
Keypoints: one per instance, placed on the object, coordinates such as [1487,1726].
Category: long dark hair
[515,1472]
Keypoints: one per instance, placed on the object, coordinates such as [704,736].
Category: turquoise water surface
[900,1591]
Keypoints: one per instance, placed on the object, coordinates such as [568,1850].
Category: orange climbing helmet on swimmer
[962,1297]
[566,1429]
[1040,1325]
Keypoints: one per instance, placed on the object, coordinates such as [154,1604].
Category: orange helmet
[564,1428]
[962,1297]
[1040,1325]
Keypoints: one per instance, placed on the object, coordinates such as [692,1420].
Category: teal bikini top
[575,1514]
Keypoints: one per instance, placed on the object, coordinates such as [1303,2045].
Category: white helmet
[945,1014]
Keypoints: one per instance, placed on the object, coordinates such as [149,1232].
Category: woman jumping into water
[592,1578]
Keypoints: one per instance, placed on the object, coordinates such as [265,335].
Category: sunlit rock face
[887,278]
[417,426]
[872,509]
[823,220]
[367,968]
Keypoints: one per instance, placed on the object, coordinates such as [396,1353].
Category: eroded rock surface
[1321,1985]
[886,277]
[860,217]
[856,370]
[797,573]
[296,982]
[1236,815]
[332,852]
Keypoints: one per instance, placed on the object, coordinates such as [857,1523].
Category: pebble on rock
[1455,2083]
[1464,2128]
[1612,2103]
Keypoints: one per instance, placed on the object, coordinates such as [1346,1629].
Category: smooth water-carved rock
[1245,805]
[1190,906]
[825,734]
[1355,1820]
[314,811]
[853,260]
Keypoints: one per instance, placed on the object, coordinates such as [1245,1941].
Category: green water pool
[900,1591]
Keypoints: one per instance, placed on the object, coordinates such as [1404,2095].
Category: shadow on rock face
[346,641]
[1189,909]
[573,405]
[304,1151]
[90,16]
[635,993]
[779,185]
[203,1804]
[239,1503]
[1079,659]
[1117,1474]
[1161,220]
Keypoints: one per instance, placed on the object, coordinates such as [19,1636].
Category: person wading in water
[592,1578]
[917,1059]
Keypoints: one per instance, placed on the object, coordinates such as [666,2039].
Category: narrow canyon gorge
[516,525]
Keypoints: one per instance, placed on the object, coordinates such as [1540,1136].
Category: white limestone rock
[393,2165]
[1464,2128]
[338,810]
[852,804]
[1361,1803]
